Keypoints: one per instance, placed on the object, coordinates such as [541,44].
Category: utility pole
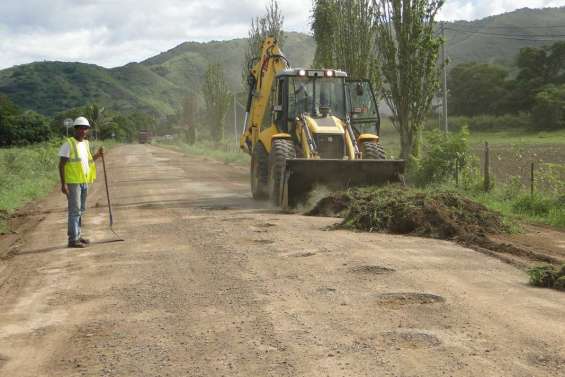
[235,135]
[444,77]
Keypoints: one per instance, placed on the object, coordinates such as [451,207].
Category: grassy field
[26,174]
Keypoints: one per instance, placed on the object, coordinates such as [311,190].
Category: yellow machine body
[299,131]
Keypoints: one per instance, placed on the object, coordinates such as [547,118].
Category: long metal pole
[444,76]
[107,191]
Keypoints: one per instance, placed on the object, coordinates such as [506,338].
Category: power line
[521,37]
[524,27]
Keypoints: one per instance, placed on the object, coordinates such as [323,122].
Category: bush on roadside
[441,155]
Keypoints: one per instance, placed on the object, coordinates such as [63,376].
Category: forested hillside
[159,84]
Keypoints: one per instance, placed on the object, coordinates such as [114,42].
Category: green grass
[518,137]
[225,153]
[26,174]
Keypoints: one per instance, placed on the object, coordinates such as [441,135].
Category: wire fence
[535,168]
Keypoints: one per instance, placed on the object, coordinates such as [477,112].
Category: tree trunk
[406,141]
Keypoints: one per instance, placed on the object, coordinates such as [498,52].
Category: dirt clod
[548,277]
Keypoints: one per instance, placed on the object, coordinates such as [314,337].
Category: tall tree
[477,88]
[101,124]
[549,109]
[408,54]
[344,31]
[271,24]
[188,118]
[323,26]
[538,67]
[217,98]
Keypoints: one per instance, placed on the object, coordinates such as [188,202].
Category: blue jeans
[77,207]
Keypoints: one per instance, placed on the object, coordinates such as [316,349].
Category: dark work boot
[76,244]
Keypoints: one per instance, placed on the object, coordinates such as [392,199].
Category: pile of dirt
[395,209]
[548,277]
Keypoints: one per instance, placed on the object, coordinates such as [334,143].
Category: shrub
[549,108]
[536,205]
[441,153]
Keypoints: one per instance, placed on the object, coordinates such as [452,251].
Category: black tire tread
[261,158]
[373,151]
[281,150]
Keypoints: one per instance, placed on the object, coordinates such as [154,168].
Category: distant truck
[144,137]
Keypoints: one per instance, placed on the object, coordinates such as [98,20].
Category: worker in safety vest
[77,170]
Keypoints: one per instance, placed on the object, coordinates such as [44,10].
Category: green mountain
[159,84]
[156,85]
[498,39]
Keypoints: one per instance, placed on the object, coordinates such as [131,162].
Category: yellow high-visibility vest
[73,167]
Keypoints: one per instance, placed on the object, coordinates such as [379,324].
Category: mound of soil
[443,215]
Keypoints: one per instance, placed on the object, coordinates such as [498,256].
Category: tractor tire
[259,172]
[372,151]
[282,149]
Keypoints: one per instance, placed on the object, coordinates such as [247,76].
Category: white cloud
[114,32]
[474,9]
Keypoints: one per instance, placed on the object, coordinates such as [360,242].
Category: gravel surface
[210,283]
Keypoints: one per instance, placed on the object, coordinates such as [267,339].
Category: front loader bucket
[302,175]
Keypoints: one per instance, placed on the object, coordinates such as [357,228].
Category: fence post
[532,180]
[487,168]
[457,172]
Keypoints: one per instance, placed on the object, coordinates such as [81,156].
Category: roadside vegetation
[548,277]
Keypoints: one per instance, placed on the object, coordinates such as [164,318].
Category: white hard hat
[81,121]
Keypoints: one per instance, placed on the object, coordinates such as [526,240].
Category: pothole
[546,359]
[265,225]
[371,269]
[408,298]
[216,208]
[3,360]
[326,290]
[264,242]
[409,339]
[303,255]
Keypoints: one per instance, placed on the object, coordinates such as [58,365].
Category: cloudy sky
[114,32]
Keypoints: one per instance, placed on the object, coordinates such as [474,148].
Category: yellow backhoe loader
[308,127]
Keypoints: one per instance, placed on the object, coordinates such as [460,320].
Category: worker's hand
[64,189]
[101,151]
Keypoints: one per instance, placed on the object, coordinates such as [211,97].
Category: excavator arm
[261,79]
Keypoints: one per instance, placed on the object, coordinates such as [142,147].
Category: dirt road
[210,283]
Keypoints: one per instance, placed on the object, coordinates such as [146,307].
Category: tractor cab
[319,94]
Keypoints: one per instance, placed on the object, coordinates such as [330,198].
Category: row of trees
[538,87]
[22,127]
